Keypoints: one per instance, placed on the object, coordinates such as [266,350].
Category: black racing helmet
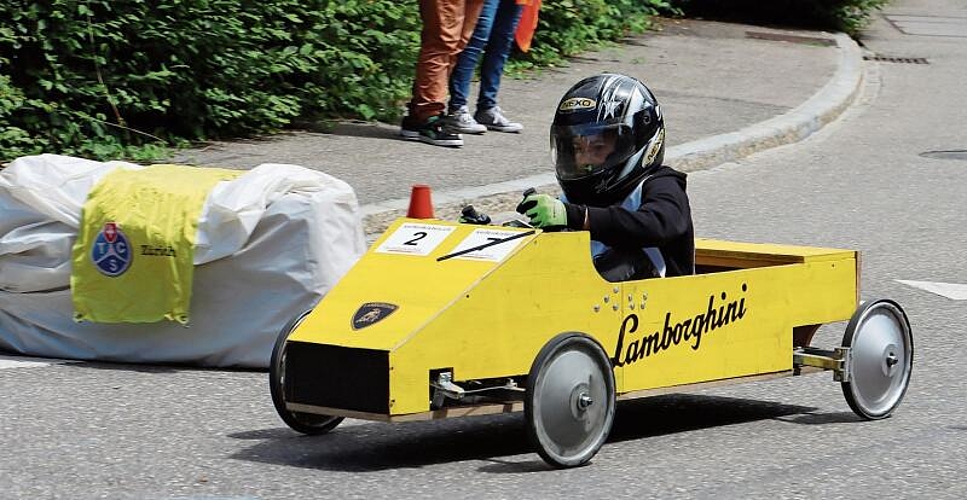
[620,109]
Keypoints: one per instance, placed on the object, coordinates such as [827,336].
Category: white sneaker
[494,119]
[459,121]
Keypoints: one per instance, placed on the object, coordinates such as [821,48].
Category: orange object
[527,25]
[421,204]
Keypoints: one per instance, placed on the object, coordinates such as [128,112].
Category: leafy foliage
[568,27]
[103,79]
[849,16]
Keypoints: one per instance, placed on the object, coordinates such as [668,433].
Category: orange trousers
[447,27]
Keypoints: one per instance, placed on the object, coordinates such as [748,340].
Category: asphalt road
[89,430]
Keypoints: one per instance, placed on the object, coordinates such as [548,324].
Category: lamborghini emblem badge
[372,312]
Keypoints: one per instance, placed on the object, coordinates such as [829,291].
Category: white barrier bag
[269,245]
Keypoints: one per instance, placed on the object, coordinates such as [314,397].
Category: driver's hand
[544,211]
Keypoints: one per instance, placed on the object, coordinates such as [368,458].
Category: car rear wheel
[881,359]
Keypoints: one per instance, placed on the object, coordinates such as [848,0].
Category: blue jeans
[493,37]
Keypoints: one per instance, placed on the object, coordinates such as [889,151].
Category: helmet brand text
[577,103]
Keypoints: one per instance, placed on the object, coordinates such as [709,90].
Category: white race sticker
[415,239]
[495,252]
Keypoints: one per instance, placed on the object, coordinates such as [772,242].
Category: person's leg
[495,55]
[625,264]
[496,52]
[439,40]
[471,13]
[467,61]
[459,119]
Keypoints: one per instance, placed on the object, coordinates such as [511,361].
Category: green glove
[544,211]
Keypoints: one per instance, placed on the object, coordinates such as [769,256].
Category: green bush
[15,140]
[569,27]
[849,16]
[105,79]
[111,79]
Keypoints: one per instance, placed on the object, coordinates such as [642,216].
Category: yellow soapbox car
[441,320]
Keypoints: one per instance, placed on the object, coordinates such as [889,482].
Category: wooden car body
[417,304]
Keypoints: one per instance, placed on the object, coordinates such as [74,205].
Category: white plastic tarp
[269,245]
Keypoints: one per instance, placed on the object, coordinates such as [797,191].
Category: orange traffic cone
[421,206]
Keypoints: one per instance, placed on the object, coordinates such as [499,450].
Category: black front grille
[337,377]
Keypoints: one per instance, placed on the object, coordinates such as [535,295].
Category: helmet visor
[584,150]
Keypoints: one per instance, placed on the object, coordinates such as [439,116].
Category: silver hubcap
[571,423]
[881,358]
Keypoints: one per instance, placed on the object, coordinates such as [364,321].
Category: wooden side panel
[729,324]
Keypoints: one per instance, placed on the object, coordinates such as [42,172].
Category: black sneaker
[410,128]
[432,132]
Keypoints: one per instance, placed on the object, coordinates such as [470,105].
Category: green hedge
[849,16]
[98,77]
[568,27]
[127,79]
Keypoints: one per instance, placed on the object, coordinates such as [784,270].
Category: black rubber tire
[306,423]
[874,388]
[568,419]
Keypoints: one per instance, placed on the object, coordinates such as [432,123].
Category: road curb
[823,107]
[819,110]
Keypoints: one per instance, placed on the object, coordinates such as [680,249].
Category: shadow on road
[674,413]
[843,417]
[373,130]
[370,447]
[168,368]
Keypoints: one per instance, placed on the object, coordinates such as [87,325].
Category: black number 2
[419,235]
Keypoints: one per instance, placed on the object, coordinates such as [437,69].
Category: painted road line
[26,362]
[950,290]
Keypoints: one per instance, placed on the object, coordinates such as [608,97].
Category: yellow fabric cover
[133,259]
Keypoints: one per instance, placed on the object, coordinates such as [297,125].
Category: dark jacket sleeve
[663,216]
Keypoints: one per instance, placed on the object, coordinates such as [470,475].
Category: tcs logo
[111,252]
